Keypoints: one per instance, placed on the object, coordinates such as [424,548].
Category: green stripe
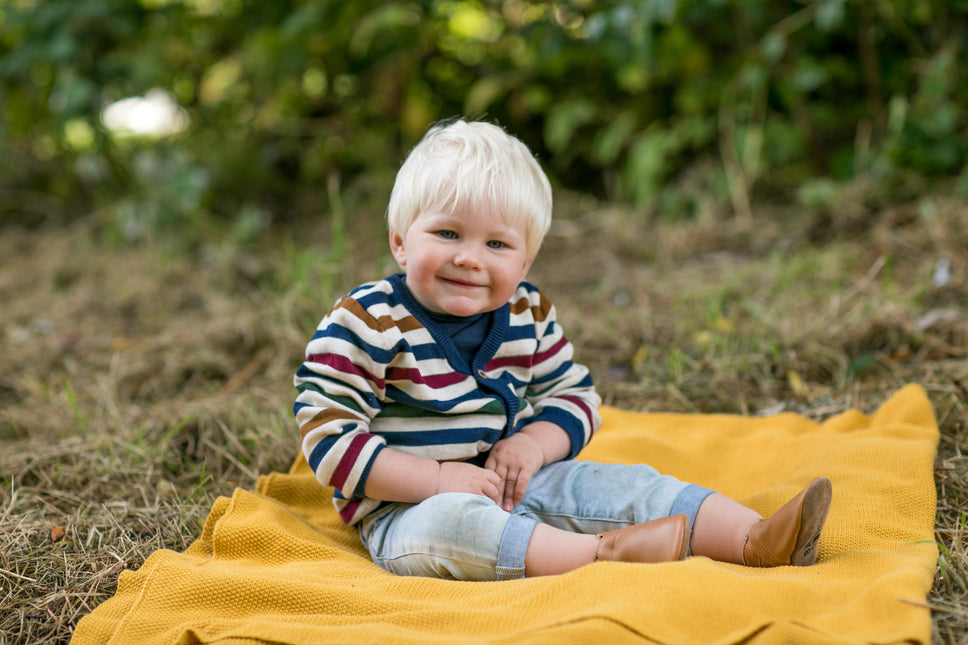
[346,401]
[403,411]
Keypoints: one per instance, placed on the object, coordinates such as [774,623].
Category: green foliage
[617,97]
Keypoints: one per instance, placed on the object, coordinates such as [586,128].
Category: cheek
[510,277]
[517,271]
[423,263]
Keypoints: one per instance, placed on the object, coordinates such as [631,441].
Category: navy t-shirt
[467,332]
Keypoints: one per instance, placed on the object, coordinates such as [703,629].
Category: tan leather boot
[662,540]
[790,536]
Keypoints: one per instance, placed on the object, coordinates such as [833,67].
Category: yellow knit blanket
[277,566]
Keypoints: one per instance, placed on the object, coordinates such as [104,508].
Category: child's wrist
[437,477]
[554,442]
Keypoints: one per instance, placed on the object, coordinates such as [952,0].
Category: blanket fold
[276,565]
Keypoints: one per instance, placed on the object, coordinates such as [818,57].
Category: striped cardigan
[378,372]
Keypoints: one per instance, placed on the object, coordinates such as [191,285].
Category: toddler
[444,407]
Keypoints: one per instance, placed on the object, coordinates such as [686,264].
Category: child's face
[461,264]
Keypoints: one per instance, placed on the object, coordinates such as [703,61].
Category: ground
[140,380]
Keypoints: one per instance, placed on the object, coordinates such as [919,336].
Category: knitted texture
[278,566]
[379,373]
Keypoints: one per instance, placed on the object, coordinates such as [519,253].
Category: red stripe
[350,456]
[435,381]
[583,405]
[346,513]
[345,365]
[538,358]
[524,360]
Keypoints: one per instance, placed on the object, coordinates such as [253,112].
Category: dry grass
[136,384]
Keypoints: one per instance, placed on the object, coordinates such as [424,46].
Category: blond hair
[470,166]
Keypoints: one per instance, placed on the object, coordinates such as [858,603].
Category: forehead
[489,219]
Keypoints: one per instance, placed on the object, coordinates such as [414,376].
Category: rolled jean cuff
[688,502]
[514,544]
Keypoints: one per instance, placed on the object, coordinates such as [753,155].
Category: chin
[463,311]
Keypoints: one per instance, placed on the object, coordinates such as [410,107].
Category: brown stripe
[520,305]
[355,308]
[409,323]
[381,324]
[539,311]
[325,416]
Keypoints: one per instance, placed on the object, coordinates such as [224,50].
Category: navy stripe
[397,395]
[340,332]
[321,448]
[520,332]
[443,437]
[368,398]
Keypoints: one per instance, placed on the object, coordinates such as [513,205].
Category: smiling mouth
[462,283]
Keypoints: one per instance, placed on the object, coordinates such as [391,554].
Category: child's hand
[460,477]
[515,460]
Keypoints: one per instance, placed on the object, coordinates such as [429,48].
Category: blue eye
[496,244]
[448,235]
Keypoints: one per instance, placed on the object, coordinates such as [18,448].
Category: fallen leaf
[797,384]
[57,533]
[725,325]
[703,338]
[640,358]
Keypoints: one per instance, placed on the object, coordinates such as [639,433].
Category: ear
[525,268]
[398,250]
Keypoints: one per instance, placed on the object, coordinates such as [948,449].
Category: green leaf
[612,139]
[564,119]
[830,15]
[648,164]
[487,91]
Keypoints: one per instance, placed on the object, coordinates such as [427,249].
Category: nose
[468,257]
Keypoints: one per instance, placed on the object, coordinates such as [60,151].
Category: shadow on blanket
[277,566]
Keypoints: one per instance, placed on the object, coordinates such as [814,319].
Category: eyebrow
[450,217]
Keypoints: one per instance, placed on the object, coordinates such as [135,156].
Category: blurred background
[184,115]
[760,207]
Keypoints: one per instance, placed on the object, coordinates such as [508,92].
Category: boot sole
[813,514]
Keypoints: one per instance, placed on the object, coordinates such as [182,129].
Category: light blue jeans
[468,537]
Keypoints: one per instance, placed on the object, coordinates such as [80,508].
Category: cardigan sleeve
[561,391]
[341,387]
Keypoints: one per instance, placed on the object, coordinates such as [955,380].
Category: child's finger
[521,487]
[509,489]
[492,490]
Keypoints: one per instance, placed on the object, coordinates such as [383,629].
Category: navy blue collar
[500,319]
